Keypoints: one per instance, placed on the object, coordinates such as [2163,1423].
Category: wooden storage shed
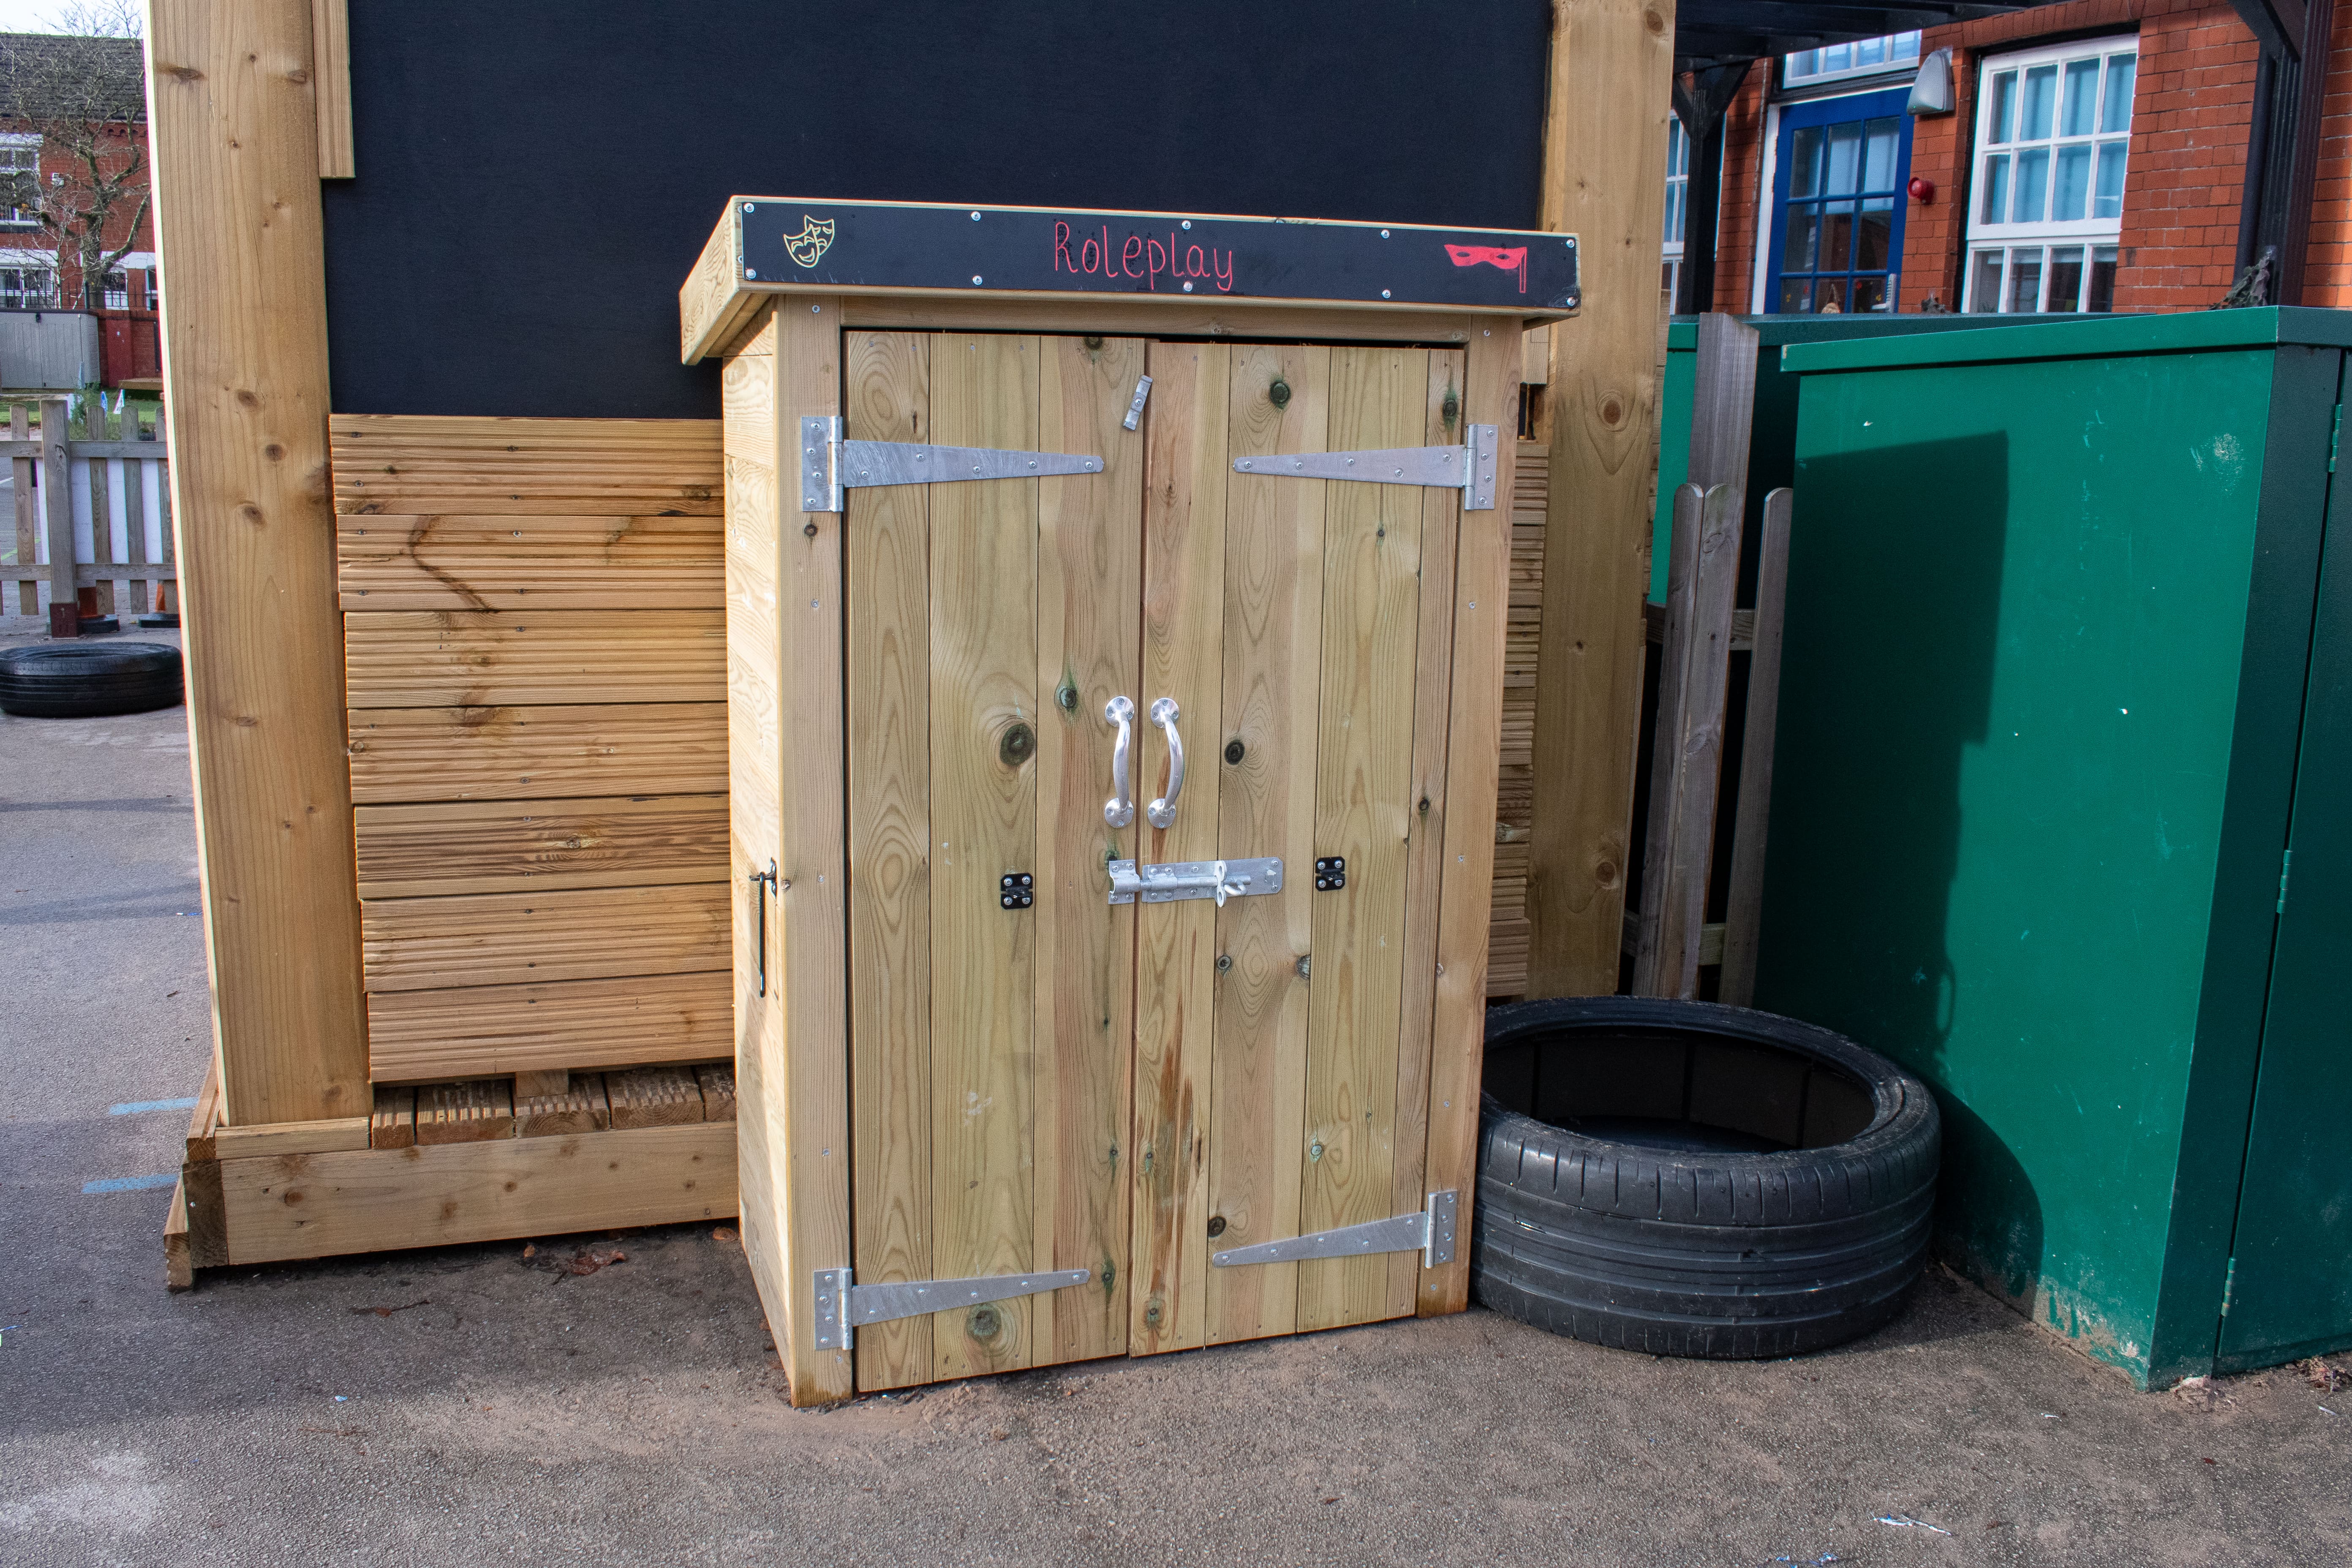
[1120,1073]
[497,729]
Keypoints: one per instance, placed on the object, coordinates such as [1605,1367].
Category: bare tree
[84,91]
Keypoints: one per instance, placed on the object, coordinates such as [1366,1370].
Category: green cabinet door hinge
[2229,1283]
[2332,434]
[2287,864]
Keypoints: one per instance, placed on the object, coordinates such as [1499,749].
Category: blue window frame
[1838,202]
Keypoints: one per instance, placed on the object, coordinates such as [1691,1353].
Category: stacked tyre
[1692,1180]
[73,681]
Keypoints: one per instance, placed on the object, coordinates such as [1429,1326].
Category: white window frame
[1677,224]
[2038,238]
[31,262]
[16,142]
[1800,68]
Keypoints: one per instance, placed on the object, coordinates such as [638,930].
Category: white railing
[92,513]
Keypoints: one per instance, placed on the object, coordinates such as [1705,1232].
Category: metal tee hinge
[842,1307]
[1468,469]
[830,465]
[1430,1233]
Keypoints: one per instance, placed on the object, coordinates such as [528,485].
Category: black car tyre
[70,680]
[1687,1179]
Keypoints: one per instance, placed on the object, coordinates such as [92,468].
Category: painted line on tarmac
[131,1183]
[140,1107]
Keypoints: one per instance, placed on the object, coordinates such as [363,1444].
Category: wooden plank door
[1304,626]
[990,622]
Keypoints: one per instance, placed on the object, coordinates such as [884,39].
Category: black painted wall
[535,179]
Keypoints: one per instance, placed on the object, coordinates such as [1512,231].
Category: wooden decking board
[717,1082]
[393,1123]
[418,463]
[573,1024]
[454,561]
[476,658]
[655,1097]
[484,847]
[578,1108]
[468,1112]
[515,939]
[418,754]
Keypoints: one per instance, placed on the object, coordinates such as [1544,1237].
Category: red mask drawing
[1515,257]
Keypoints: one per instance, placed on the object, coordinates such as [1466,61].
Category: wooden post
[1604,180]
[234,122]
[101,521]
[28,524]
[331,34]
[56,512]
[1694,677]
[1743,912]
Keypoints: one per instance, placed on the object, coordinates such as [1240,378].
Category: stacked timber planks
[535,663]
[1506,938]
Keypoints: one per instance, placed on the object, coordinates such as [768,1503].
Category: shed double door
[1123,1089]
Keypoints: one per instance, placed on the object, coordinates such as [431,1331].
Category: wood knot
[1613,413]
[1652,24]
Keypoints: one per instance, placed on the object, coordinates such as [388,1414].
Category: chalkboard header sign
[854,246]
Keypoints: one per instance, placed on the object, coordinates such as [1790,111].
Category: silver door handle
[1162,812]
[1119,810]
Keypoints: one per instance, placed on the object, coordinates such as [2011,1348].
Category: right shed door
[1304,628]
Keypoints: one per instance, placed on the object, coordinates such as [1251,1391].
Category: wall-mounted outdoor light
[1931,89]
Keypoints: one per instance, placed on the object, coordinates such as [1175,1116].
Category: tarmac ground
[552,1402]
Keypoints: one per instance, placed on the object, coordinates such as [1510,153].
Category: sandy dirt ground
[613,1398]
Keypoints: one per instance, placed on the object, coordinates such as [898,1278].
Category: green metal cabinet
[1772,447]
[2062,813]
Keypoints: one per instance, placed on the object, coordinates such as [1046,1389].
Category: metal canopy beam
[1725,32]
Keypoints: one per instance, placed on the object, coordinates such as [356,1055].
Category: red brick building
[2097,156]
[73,199]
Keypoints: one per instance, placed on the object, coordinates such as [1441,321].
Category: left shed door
[988,624]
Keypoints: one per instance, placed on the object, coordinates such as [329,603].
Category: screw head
[751,272]
[1225,964]
[1216,1224]
[1234,752]
[975,278]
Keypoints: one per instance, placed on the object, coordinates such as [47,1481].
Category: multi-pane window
[1837,251]
[2053,131]
[1862,59]
[117,291]
[20,165]
[28,289]
[1678,208]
